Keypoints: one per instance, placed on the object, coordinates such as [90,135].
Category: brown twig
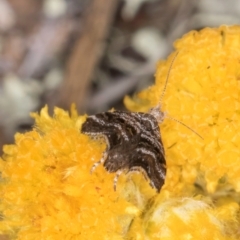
[86,52]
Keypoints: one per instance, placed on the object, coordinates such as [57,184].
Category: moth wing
[150,163]
[120,155]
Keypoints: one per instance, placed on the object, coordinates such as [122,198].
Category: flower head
[183,219]
[47,189]
[202,92]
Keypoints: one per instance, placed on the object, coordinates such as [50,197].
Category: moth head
[157,113]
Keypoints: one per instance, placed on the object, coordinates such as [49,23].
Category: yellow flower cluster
[47,191]
[181,219]
[203,92]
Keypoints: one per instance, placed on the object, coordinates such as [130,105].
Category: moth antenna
[166,82]
[156,111]
[174,119]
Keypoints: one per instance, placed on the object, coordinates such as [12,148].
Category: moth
[133,142]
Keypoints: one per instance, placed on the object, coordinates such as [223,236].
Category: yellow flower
[182,219]
[47,191]
[203,91]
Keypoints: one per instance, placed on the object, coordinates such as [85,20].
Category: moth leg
[101,161]
[115,180]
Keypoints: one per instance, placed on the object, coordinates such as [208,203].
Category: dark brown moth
[133,144]
[133,141]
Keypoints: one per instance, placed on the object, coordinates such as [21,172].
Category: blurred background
[91,52]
